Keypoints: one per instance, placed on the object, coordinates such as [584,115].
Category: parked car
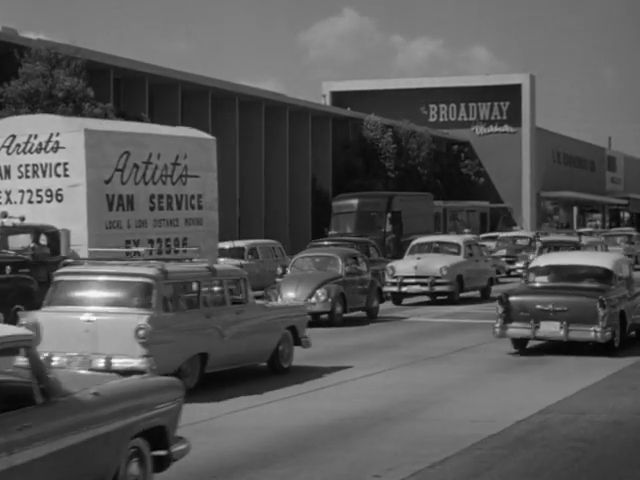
[175,318]
[553,243]
[624,240]
[368,247]
[489,240]
[514,248]
[571,297]
[593,243]
[330,281]
[498,265]
[440,265]
[261,258]
[60,424]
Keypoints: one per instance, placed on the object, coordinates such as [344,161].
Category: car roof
[339,251]
[248,242]
[10,334]
[606,260]
[559,238]
[342,239]
[446,237]
[490,235]
[518,233]
[149,268]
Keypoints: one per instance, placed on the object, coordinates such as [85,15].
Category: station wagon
[180,318]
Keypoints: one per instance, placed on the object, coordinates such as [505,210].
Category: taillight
[141,332]
[601,305]
[502,304]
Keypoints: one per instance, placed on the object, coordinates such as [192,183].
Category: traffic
[106,339]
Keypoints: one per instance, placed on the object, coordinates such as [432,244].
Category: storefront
[546,179]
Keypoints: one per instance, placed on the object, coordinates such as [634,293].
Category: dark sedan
[330,281]
[364,245]
[571,297]
[63,424]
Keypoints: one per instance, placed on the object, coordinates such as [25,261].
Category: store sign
[485,110]
[572,160]
[614,172]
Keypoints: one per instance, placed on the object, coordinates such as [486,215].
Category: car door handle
[24,426]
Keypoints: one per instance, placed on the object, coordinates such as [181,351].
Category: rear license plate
[79,362]
[413,289]
[549,326]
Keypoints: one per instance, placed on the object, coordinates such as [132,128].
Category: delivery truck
[92,188]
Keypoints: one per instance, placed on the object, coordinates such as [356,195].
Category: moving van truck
[93,188]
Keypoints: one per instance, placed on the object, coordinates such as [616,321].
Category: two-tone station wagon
[181,318]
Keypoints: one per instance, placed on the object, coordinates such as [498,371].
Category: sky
[584,54]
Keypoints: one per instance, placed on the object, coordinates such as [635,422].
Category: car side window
[213,294]
[252,253]
[276,253]
[265,252]
[181,296]
[477,251]
[468,252]
[237,291]
[373,252]
[362,265]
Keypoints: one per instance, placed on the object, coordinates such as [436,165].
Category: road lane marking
[447,320]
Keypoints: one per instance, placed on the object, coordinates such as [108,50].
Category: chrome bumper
[413,289]
[565,333]
[179,449]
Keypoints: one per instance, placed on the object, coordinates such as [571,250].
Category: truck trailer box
[118,187]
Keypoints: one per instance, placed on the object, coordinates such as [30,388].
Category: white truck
[91,188]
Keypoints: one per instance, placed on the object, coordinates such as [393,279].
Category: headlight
[390,270]
[444,271]
[320,295]
[141,332]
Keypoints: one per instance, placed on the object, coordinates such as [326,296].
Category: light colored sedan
[440,265]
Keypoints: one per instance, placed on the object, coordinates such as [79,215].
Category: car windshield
[514,240]
[548,247]
[582,274]
[315,263]
[231,252]
[614,240]
[71,292]
[447,248]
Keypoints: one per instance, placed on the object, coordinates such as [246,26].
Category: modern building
[276,153]
[549,180]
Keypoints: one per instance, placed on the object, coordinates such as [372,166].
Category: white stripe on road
[446,320]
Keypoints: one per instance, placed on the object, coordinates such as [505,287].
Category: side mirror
[281,271]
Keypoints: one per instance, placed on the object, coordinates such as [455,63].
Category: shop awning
[633,199]
[580,197]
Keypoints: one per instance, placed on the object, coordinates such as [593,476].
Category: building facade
[548,180]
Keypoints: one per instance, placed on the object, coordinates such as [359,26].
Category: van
[262,259]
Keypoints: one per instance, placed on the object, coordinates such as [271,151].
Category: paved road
[421,388]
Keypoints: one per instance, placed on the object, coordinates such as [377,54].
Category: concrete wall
[299,179]
[276,178]
[225,127]
[251,169]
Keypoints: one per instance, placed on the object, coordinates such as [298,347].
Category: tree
[404,157]
[50,82]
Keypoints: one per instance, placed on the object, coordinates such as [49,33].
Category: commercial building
[549,180]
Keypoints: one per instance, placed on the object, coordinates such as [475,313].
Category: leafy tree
[50,82]
[404,157]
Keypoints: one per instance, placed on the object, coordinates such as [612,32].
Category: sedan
[330,281]
[63,424]
[571,297]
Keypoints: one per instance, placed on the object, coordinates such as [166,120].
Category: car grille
[417,280]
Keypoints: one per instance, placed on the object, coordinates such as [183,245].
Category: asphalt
[593,434]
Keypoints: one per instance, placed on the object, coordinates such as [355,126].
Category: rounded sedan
[330,281]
